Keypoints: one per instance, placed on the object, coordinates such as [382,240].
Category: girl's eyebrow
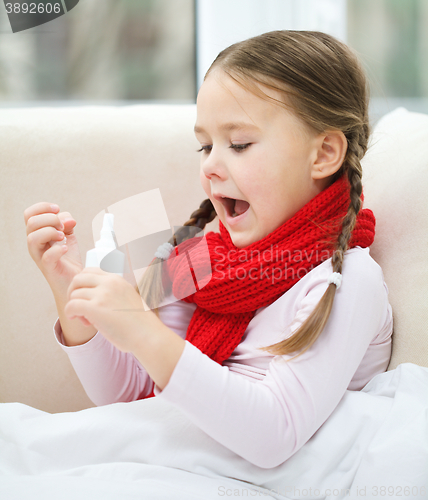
[229,127]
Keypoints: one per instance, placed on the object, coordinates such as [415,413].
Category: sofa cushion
[395,179]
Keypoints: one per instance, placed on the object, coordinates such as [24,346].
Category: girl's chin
[241,243]
[241,239]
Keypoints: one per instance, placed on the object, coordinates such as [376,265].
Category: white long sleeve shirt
[257,404]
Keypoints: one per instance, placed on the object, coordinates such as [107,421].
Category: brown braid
[203,215]
[311,328]
[354,173]
[150,287]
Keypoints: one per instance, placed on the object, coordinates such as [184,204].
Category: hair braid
[354,171]
[151,288]
[311,328]
[203,215]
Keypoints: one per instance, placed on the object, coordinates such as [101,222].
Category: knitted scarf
[244,280]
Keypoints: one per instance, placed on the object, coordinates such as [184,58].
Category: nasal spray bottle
[105,251]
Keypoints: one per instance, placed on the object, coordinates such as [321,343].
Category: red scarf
[244,280]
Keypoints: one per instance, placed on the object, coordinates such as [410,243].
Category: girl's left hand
[111,304]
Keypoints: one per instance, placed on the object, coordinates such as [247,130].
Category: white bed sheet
[374,445]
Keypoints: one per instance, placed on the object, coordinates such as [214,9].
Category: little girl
[296,310]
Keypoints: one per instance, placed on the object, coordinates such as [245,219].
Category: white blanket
[374,445]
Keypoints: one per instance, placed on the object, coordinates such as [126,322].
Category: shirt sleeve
[109,375]
[267,421]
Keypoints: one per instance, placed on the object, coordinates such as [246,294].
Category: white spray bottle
[106,245]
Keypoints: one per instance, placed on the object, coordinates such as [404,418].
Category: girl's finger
[40,208]
[78,307]
[53,254]
[93,270]
[83,293]
[84,280]
[39,238]
[83,320]
[36,222]
[69,224]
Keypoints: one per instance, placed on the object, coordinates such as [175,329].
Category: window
[391,38]
[102,50]
[124,51]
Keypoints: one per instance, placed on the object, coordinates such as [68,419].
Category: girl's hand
[109,303]
[46,226]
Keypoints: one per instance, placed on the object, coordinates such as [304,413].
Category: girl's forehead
[221,95]
[222,85]
[227,105]
[219,89]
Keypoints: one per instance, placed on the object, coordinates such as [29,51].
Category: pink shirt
[256,404]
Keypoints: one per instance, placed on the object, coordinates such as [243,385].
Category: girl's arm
[109,375]
[73,330]
[267,421]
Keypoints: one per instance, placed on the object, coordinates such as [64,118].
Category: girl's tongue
[241,206]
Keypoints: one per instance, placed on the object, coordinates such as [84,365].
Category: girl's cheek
[204,182]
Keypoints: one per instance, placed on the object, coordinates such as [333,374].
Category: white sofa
[87,158]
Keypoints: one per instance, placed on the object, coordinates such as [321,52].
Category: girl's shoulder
[361,275]
[358,267]
[361,298]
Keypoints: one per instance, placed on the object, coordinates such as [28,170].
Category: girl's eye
[239,147]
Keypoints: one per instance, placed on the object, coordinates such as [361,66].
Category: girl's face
[256,151]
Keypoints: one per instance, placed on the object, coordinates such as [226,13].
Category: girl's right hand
[46,226]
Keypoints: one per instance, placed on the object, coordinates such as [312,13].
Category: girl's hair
[324,84]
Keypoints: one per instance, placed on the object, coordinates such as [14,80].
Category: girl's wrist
[158,349]
[144,331]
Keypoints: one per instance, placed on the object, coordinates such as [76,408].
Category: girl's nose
[213,166]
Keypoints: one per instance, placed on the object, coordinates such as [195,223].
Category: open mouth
[235,207]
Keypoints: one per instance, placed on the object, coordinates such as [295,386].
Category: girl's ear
[331,151]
